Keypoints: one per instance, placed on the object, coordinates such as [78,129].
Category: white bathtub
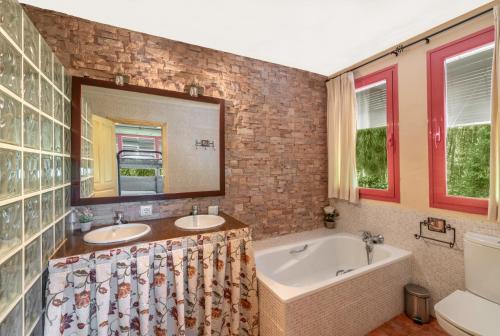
[304,285]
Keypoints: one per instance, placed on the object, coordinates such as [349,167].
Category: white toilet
[477,310]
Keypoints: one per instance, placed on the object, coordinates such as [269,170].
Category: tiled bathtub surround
[350,308]
[434,265]
[275,117]
[32,200]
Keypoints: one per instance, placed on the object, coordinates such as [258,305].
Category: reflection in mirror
[136,144]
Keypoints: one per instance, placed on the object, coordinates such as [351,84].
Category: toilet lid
[470,313]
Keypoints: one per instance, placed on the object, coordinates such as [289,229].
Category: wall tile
[58,106]
[47,244]
[67,86]
[58,170]
[46,98]
[47,208]
[67,112]
[10,280]
[11,69]
[11,19]
[32,218]
[47,141]
[32,260]
[12,325]
[10,173]
[435,265]
[47,171]
[31,166]
[33,304]
[46,60]
[31,85]
[10,226]
[31,41]
[38,329]
[67,170]
[10,119]
[58,138]
[58,74]
[58,203]
[67,198]
[31,128]
[59,230]
[67,141]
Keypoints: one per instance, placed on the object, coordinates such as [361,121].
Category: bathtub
[320,283]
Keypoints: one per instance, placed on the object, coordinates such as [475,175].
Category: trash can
[417,303]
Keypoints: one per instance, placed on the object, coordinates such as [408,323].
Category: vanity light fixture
[121,80]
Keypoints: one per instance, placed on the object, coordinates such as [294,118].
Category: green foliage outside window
[371,158]
[468,161]
[137,172]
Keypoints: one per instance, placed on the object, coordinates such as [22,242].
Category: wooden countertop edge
[161,229]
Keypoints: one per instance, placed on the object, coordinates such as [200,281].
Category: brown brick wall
[276,161]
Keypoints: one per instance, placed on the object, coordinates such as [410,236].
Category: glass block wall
[35,114]
[87,161]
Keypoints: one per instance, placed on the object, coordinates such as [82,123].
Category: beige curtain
[494,201]
[341,123]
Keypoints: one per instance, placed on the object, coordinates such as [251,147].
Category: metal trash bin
[417,303]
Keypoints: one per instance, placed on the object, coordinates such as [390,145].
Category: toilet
[475,311]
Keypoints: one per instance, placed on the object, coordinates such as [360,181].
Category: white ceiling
[322,36]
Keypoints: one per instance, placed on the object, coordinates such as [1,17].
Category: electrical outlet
[146,210]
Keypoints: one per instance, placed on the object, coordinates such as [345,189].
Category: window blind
[468,87]
[372,105]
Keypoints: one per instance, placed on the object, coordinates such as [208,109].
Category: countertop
[161,229]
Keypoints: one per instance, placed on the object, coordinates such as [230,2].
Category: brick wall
[276,161]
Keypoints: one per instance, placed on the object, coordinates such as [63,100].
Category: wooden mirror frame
[76,95]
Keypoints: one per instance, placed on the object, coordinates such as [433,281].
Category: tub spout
[369,252]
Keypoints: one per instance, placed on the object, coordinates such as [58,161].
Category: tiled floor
[403,326]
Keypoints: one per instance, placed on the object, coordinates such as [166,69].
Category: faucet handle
[119,218]
[365,234]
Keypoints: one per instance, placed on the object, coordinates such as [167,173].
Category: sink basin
[117,233]
[199,222]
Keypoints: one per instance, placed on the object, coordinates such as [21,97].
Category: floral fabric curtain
[198,285]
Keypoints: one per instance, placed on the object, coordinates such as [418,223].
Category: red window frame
[436,123]
[390,75]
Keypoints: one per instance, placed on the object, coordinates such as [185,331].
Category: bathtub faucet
[370,240]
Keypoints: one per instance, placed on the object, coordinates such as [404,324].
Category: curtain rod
[399,49]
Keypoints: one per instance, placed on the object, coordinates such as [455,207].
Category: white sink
[199,222]
[117,233]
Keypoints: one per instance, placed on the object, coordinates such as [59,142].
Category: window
[377,153]
[459,98]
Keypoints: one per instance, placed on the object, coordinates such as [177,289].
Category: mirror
[139,143]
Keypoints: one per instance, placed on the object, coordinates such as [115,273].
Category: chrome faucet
[194,210]
[370,240]
[119,218]
[368,237]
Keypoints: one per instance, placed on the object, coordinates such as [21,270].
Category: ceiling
[322,36]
